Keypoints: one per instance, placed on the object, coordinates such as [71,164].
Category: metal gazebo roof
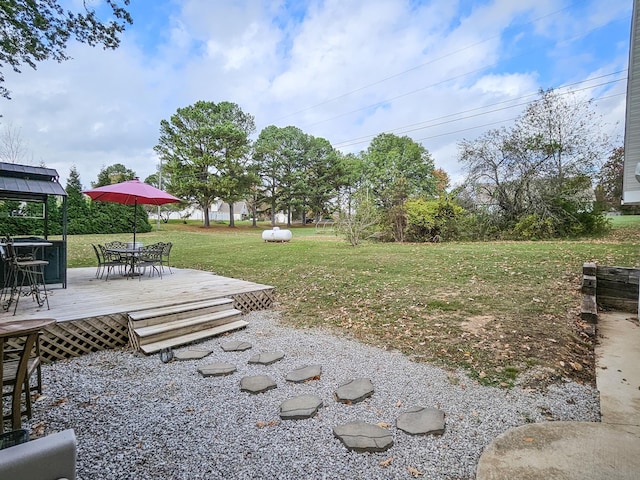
[24,182]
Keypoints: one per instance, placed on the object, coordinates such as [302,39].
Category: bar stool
[25,272]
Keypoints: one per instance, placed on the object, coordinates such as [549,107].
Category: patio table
[130,254]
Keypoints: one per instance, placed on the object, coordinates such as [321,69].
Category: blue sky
[439,71]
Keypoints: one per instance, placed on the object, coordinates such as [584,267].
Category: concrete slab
[562,451]
[618,368]
[581,450]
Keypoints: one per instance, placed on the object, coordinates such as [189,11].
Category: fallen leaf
[37,430]
[383,424]
[386,463]
[271,423]
[528,439]
[576,366]
[60,401]
[399,404]
[414,472]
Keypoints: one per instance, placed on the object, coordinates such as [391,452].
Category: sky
[438,71]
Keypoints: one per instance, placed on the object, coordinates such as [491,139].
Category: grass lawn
[497,309]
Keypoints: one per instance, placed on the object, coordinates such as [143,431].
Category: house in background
[219,211]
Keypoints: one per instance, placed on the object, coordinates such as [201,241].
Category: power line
[485,67]
[412,69]
[494,123]
[428,123]
[386,101]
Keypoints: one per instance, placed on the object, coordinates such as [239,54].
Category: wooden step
[153,333]
[192,337]
[154,316]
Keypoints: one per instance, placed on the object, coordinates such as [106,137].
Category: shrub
[432,220]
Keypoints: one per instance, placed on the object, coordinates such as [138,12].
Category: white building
[219,211]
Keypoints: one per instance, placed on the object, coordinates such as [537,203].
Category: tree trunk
[207,223]
[232,222]
[273,212]
[254,208]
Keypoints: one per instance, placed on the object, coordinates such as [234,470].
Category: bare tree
[542,166]
[12,147]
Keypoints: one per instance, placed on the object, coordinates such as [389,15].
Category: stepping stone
[355,391]
[363,437]
[421,421]
[298,408]
[257,384]
[235,346]
[217,369]
[191,354]
[302,374]
[267,358]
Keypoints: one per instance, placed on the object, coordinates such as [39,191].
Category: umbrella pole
[135,213]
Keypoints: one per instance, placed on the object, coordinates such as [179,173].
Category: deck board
[86,296]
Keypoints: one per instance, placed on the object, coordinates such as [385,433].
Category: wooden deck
[92,314]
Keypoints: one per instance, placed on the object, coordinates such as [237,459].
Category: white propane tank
[276,235]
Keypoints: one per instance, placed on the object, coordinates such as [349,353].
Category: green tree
[609,188]
[352,168]
[115,173]
[278,154]
[34,31]
[542,166]
[432,220]
[361,222]
[323,177]
[78,218]
[167,209]
[396,169]
[205,150]
[111,217]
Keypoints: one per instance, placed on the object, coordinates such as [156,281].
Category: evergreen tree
[78,218]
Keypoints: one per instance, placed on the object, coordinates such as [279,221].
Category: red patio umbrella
[131,192]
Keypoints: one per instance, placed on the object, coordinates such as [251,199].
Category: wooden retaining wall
[608,287]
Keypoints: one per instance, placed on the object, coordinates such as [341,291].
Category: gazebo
[29,188]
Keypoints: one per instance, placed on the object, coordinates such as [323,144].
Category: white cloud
[340,70]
